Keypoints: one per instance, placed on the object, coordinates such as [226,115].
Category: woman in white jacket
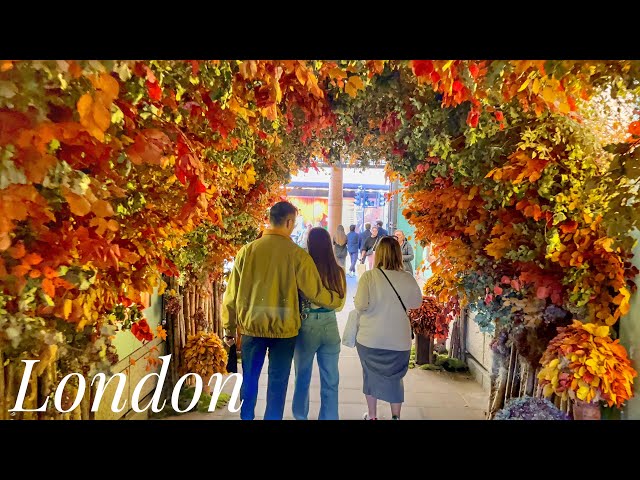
[384,333]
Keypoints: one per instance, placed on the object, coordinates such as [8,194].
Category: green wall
[630,338]
[125,342]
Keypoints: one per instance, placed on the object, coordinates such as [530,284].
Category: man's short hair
[352,228]
[279,213]
[379,222]
[367,226]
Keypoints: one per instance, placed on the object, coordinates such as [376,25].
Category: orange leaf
[37,166]
[20,270]
[75,70]
[102,208]
[31,259]
[107,84]
[48,287]
[78,204]
[18,251]
[49,272]
[5,241]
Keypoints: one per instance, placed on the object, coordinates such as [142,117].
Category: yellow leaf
[547,391]
[113,225]
[66,308]
[582,392]
[536,86]
[524,84]
[602,331]
[548,94]
[564,107]
[447,65]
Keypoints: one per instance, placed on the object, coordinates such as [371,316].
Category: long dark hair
[320,249]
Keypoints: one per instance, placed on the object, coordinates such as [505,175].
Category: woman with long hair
[340,246]
[319,335]
[383,341]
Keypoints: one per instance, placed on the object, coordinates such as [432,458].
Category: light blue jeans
[318,335]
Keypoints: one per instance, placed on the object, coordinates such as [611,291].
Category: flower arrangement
[429,320]
[530,408]
[205,355]
[582,362]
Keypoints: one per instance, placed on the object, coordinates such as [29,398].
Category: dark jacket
[382,232]
[353,240]
[407,256]
[362,237]
[370,243]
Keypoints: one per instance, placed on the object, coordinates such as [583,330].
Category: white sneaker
[366,417]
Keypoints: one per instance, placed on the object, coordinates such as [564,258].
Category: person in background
[352,248]
[302,240]
[366,233]
[406,249]
[381,231]
[340,246]
[383,341]
[369,248]
[319,336]
[262,301]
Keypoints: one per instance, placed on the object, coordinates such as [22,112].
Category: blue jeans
[254,350]
[318,335]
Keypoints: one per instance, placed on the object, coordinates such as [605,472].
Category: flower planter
[586,410]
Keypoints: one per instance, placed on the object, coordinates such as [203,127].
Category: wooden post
[424,349]
[335,200]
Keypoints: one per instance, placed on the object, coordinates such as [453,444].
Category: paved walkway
[429,395]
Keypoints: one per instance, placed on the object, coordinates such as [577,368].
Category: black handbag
[401,302]
[232,362]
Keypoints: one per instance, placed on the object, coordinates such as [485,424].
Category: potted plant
[428,323]
[530,408]
[583,364]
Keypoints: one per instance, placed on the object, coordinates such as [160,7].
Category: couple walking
[263,298]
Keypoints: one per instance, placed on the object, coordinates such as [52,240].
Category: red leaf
[569,227]
[473,70]
[542,292]
[155,92]
[195,67]
[515,284]
[435,77]
[472,118]
[457,86]
[497,290]
[506,280]
[499,116]
[199,186]
[422,68]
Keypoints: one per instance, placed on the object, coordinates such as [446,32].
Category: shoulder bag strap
[394,289]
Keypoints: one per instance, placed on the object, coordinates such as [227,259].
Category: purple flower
[530,408]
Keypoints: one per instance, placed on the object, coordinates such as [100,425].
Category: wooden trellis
[516,377]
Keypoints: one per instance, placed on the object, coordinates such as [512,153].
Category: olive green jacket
[262,292]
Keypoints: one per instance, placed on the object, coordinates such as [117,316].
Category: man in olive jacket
[262,300]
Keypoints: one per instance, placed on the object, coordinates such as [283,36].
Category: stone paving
[429,395]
